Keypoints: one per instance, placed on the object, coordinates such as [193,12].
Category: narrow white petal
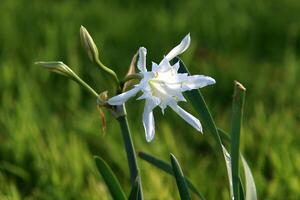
[148,119]
[197,81]
[179,49]
[121,98]
[164,65]
[193,121]
[142,59]
[176,66]
[154,67]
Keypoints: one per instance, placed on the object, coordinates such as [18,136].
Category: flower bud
[89,44]
[57,67]
[60,68]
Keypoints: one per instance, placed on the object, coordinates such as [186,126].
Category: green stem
[84,84]
[131,155]
[107,70]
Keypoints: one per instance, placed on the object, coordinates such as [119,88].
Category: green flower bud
[89,44]
[57,67]
[92,50]
[62,69]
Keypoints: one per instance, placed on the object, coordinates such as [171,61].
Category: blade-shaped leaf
[134,194]
[224,136]
[228,166]
[250,184]
[164,166]
[181,184]
[110,179]
[197,101]
[236,121]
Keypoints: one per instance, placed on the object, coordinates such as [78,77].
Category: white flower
[163,86]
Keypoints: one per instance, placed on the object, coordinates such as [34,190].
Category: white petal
[148,119]
[164,65]
[179,49]
[142,59]
[121,98]
[176,66]
[197,81]
[154,67]
[193,121]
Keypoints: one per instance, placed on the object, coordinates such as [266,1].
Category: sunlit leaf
[236,121]
[180,180]
[250,184]
[110,179]
[134,194]
[164,166]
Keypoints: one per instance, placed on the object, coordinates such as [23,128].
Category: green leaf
[134,194]
[224,136]
[237,115]
[181,184]
[250,184]
[164,166]
[197,101]
[110,179]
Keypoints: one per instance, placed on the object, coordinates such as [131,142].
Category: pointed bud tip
[49,63]
[89,44]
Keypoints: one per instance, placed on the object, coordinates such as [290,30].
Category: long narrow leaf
[224,136]
[237,115]
[229,171]
[134,194]
[181,184]
[197,101]
[110,179]
[164,166]
[250,184]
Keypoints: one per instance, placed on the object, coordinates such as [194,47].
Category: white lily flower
[163,86]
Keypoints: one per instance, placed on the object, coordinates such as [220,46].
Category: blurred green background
[50,127]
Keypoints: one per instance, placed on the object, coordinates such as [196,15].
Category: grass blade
[181,184]
[237,115]
[110,179]
[164,166]
[250,184]
[134,194]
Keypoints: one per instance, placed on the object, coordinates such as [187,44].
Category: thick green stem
[130,151]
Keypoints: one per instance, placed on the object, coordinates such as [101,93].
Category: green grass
[50,128]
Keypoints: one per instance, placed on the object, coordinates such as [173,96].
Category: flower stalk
[130,151]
